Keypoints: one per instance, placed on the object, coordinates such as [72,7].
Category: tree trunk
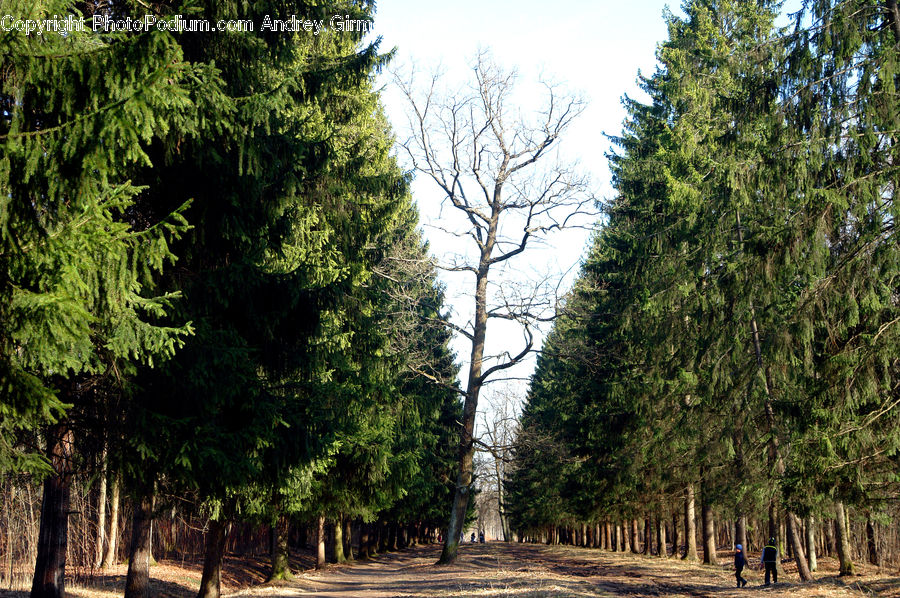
[690,525]
[634,536]
[675,533]
[364,540]
[320,542]
[137,584]
[626,544]
[740,532]
[793,531]
[109,558]
[709,533]
[811,543]
[828,527]
[470,407]
[348,539]
[894,17]
[661,537]
[101,511]
[281,568]
[501,502]
[403,536]
[842,540]
[339,540]
[775,530]
[211,581]
[647,536]
[871,542]
[50,567]
[393,534]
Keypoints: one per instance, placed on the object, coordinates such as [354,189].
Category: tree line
[214,299]
[732,338]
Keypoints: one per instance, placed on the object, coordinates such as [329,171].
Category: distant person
[473,537]
[739,563]
[481,537]
[770,561]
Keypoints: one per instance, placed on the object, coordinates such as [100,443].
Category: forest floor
[495,569]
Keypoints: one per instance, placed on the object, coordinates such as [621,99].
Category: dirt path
[528,571]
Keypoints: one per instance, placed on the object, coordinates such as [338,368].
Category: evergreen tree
[79,256]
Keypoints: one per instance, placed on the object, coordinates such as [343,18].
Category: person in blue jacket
[739,563]
[770,560]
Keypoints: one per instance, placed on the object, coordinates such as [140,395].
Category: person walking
[770,560]
[739,563]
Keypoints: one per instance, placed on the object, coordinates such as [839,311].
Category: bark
[392,538]
[709,533]
[281,568]
[811,543]
[675,533]
[661,537]
[607,536]
[8,506]
[790,554]
[775,531]
[626,544]
[501,503]
[377,538]
[373,539]
[740,532]
[871,542]
[690,525]
[101,511]
[470,407]
[595,540]
[828,528]
[364,541]
[894,17]
[634,536]
[842,540]
[137,583]
[796,540]
[50,567]
[109,558]
[339,540]
[647,536]
[320,542]
[348,539]
[211,581]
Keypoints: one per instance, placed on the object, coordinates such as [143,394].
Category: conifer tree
[79,302]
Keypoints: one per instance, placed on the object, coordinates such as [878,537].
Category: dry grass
[489,570]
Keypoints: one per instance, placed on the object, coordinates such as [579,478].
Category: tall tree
[488,167]
[79,258]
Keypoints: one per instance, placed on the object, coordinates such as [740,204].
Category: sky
[594,48]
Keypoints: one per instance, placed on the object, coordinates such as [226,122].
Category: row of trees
[732,339]
[211,282]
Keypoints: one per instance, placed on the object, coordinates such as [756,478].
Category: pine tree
[80,257]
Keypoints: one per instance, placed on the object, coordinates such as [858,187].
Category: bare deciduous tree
[500,426]
[500,172]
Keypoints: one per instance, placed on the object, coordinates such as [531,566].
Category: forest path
[533,571]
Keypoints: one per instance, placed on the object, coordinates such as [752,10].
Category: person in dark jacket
[739,563]
[770,561]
